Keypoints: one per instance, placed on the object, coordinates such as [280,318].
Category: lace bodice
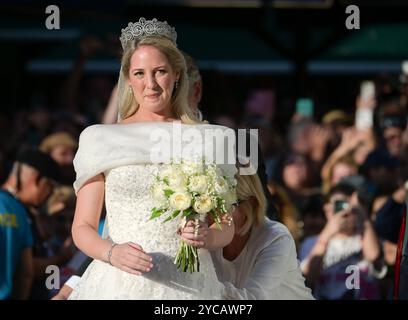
[128,205]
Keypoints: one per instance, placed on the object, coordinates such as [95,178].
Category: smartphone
[367,90]
[304,107]
[340,205]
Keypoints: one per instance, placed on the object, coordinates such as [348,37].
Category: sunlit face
[152,79]
[38,189]
[239,214]
[341,170]
[295,173]
[63,155]
[393,140]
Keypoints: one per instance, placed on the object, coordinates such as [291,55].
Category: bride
[113,164]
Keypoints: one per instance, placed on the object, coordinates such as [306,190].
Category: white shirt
[267,267]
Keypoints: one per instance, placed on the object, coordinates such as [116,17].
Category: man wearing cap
[392,127]
[28,185]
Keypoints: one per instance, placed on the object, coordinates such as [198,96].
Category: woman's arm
[129,257]
[370,243]
[86,220]
[313,263]
[64,293]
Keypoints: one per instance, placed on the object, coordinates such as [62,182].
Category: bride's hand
[190,235]
[130,257]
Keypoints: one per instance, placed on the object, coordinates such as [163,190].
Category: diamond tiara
[145,28]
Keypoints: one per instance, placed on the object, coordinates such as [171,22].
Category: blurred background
[329,102]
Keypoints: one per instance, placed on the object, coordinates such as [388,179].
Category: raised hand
[350,140]
[334,224]
[131,257]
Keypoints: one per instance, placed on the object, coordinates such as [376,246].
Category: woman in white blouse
[260,262]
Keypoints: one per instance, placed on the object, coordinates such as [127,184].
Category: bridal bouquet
[191,190]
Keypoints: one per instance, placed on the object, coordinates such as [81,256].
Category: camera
[340,205]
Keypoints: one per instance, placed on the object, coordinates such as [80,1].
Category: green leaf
[156,213]
[168,193]
[172,216]
[188,212]
[166,181]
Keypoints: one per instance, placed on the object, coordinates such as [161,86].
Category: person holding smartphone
[344,261]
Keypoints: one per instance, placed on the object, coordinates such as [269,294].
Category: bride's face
[152,79]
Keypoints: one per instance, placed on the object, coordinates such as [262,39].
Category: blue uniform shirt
[15,236]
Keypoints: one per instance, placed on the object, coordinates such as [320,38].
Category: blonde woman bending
[260,262]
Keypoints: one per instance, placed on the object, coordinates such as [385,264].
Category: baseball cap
[40,161]
[393,121]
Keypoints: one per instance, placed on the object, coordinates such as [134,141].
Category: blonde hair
[250,186]
[347,160]
[57,139]
[179,103]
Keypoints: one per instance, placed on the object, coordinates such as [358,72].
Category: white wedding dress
[128,204]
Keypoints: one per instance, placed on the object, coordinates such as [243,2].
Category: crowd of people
[329,194]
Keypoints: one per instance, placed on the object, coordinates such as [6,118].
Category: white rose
[203,204]
[221,185]
[198,184]
[177,180]
[180,200]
